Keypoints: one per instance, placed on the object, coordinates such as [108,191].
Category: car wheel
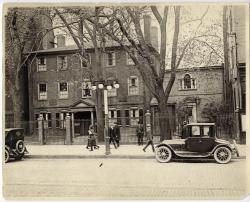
[163,154]
[20,146]
[7,155]
[222,155]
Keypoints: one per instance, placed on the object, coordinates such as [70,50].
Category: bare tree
[23,34]
[84,33]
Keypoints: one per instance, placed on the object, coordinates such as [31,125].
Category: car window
[195,130]
[206,130]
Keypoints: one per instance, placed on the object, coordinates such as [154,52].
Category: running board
[192,154]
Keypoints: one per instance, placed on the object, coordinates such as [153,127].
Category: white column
[92,118]
[194,113]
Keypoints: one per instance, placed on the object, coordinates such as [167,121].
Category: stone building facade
[194,87]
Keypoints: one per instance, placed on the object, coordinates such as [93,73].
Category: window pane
[42,87]
[63,87]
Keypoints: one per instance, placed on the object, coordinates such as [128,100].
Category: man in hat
[117,134]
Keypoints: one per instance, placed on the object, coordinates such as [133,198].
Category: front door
[82,121]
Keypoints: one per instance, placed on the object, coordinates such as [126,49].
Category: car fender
[7,147]
[162,144]
[221,145]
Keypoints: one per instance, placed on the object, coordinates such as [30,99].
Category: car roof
[10,129]
[201,124]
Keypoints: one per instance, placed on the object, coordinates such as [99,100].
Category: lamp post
[106,86]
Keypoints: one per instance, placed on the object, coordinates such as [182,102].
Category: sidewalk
[80,151]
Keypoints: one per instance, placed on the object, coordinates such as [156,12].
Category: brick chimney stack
[48,39]
[147,25]
[60,41]
[154,37]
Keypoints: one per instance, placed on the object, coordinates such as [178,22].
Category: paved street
[122,179]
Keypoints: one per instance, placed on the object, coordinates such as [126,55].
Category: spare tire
[20,146]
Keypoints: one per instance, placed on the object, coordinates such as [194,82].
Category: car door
[198,142]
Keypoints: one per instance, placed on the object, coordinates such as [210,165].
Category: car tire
[20,146]
[222,155]
[163,154]
[7,155]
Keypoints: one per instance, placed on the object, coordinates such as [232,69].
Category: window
[110,59]
[133,85]
[112,92]
[42,91]
[47,119]
[112,115]
[127,119]
[57,120]
[84,63]
[61,119]
[61,62]
[41,64]
[141,113]
[119,122]
[86,89]
[63,90]
[187,83]
[134,115]
[195,131]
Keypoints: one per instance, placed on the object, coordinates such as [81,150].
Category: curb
[100,157]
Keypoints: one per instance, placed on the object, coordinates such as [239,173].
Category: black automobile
[200,142]
[14,144]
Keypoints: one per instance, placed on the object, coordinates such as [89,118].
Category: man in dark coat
[112,135]
[140,133]
[117,134]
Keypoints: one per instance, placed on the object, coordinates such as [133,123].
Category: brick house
[59,84]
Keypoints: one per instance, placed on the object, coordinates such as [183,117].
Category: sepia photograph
[125,101]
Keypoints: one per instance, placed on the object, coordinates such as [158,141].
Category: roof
[10,129]
[201,124]
[108,44]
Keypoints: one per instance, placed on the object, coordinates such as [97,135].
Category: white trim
[66,63]
[44,96]
[66,96]
[41,68]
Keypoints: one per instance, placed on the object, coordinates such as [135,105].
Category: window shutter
[195,87]
[180,87]
[110,114]
[137,82]
[115,114]
[127,56]
[131,113]
[113,59]
[136,113]
[45,60]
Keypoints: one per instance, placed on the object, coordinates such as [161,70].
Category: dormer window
[41,64]
[187,83]
[61,62]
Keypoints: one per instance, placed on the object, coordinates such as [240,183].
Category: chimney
[60,41]
[48,39]
[154,37]
[147,24]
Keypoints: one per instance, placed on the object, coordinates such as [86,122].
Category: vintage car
[14,144]
[201,142]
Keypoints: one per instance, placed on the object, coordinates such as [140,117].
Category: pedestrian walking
[92,139]
[112,135]
[140,133]
[184,132]
[117,134]
[150,141]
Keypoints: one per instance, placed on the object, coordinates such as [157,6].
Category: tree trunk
[165,130]
[17,110]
